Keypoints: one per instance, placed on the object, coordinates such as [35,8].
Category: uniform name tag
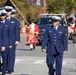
[5,25]
[50,31]
[60,32]
[12,22]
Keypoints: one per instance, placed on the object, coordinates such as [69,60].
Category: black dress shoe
[53,72]
[9,72]
[34,47]
[0,66]
[31,49]
[12,70]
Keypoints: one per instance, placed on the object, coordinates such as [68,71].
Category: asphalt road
[24,50]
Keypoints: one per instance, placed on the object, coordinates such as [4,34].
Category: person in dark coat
[5,39]
[15,33]
[55,38]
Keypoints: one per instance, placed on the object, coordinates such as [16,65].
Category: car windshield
[48,21]
[45,21]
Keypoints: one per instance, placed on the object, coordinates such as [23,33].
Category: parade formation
[51,33]
[10,38]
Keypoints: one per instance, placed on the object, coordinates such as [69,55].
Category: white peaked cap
[56,18]
[8,7]
[14,10]
[2,11]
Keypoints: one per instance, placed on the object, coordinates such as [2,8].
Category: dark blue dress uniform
[5,40]
[6,43]
[15,33]
[57,43]
[1,44]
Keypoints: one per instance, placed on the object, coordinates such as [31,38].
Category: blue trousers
[11,58]
[58,64]
[4,59]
